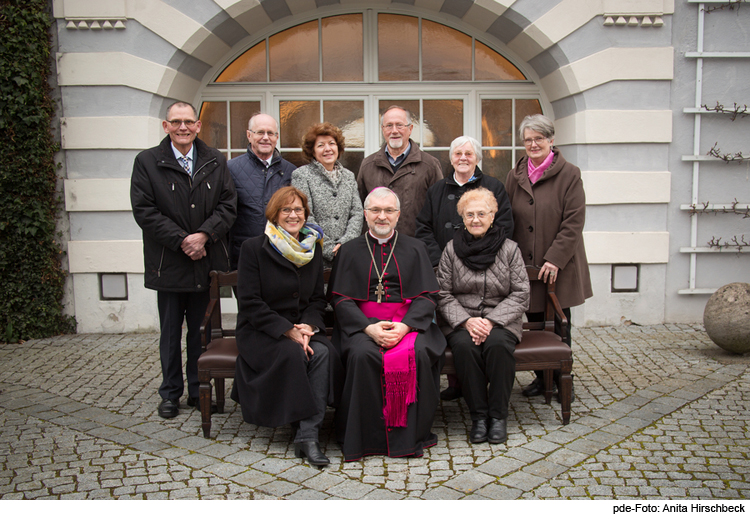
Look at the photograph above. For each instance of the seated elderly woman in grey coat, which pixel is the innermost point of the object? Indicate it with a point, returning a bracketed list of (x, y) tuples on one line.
[(484, 292), (331, 189)]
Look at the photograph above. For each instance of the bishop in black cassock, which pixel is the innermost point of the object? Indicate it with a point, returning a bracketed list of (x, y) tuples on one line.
[(358, 367)]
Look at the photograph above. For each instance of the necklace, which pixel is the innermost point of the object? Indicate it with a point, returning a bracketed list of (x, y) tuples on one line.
[(379, 291)]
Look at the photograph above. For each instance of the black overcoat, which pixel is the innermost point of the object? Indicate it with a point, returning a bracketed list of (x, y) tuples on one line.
[(358, 368), (168, 205), (439, 220), (271, 381)]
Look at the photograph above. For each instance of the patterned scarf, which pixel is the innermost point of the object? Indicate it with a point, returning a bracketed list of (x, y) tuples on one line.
[(332, 175), (298, 252)]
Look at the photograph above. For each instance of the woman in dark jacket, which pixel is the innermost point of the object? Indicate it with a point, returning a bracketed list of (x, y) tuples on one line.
[(549, 210), (484, 292), (330, 188), (282, 371)]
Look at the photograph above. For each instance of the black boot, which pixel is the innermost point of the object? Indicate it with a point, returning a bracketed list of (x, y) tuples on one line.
[(311, 451)]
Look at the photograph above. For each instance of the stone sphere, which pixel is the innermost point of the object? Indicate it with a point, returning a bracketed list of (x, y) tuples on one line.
[(727, 317)]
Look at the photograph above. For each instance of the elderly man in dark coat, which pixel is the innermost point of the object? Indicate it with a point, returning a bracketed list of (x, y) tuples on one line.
[(184, 200), (257, 174), (383, 291)]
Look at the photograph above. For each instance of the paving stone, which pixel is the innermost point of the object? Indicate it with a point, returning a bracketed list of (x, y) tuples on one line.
[(441, 493), (252, 478), (499, 492), (470, 481), (279, 488), (351, 489), (521, 480), (656, 418), (324, 481)]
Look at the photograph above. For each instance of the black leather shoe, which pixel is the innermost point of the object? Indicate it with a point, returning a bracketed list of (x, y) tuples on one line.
[(311, 451), (478, 432), (451, 393), (169, 408), (498, 432), (196, 402), (535, 388)]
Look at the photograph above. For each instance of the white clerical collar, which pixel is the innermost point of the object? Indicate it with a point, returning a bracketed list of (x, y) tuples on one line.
[(380, 240)]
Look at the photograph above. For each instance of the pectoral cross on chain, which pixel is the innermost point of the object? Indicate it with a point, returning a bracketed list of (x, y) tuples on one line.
[(380, 292)]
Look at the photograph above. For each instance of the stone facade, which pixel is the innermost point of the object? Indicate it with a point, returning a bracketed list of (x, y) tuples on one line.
[(617, 77)]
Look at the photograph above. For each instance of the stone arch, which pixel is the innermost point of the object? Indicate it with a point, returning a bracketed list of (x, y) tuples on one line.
[(239, 20)]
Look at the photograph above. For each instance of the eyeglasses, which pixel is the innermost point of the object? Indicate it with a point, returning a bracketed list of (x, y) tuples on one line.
[(480, 215), (377, 210), (261, 133), (299, 211), (537, 140), (397, 126), (179, 122)]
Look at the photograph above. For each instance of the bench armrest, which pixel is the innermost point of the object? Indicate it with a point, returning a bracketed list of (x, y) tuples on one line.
[(206, 323), (559, 316)]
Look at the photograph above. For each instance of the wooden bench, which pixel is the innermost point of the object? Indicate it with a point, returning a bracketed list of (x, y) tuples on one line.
[(540, 349)]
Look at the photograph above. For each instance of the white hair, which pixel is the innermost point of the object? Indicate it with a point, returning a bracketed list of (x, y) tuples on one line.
[(252, 120), (382, 192), (463, 140)]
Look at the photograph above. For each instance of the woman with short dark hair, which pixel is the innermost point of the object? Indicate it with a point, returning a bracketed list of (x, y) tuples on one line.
[(331, 189)]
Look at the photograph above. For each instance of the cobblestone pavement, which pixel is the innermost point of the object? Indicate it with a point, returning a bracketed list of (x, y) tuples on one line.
[(660, 412)]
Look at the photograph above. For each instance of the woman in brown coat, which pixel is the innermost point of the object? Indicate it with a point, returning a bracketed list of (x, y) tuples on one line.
[(549, 210)]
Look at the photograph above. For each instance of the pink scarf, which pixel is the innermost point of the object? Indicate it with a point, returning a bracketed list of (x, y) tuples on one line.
[(399, 364), (536, 172)]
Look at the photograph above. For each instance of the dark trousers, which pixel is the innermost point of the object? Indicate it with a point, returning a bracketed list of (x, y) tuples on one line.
[(174, 308), (491, 363), (539, 316), (317, 375)]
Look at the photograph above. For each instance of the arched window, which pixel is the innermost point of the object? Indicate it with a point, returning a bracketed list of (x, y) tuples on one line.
[(347, 69)]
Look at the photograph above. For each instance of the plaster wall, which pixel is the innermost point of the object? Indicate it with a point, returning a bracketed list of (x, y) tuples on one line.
[(724, 81), (616, 92)]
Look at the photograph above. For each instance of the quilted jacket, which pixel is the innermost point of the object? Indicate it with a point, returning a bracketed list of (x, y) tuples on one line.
[(500, 293), (255, 185)]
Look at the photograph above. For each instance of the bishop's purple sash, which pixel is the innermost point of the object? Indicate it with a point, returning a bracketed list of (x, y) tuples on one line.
[(399, 363)]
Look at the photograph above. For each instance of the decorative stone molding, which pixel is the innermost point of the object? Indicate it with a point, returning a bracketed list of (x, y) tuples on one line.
[(74, 23), (633, 20)]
